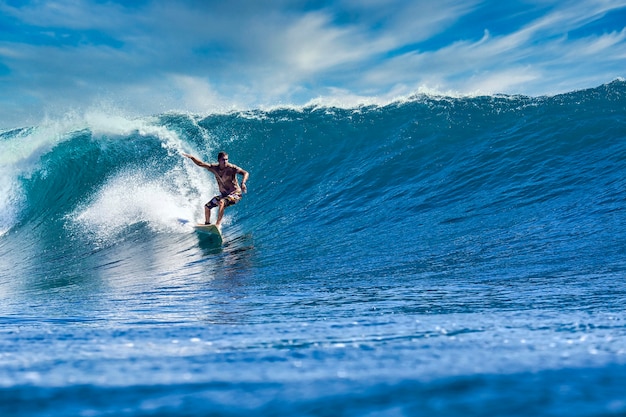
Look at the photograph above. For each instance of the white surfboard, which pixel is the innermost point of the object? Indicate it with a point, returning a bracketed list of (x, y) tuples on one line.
[(209, 231)]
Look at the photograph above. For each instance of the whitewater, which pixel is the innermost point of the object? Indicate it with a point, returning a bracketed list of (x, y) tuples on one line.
[(449, 256)]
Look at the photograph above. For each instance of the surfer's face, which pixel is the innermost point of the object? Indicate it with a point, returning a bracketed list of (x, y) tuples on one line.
[(222, 162)]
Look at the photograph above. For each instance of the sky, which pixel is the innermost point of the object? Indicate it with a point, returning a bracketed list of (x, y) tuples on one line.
[(146, 57)]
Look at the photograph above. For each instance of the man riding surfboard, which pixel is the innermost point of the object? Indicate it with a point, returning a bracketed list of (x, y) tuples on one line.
[(226, 177)]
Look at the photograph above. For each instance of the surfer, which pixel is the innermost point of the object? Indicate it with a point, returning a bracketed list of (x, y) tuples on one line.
[(226, 177)]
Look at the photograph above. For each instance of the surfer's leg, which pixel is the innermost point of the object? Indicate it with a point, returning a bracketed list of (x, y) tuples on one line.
[(215, 201), (207, 214), (220, 213), (224, 202)]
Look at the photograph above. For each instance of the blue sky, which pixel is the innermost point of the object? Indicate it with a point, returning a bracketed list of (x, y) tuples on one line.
[(145, 57)]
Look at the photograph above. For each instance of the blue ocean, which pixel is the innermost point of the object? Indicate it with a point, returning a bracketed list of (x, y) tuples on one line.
[(433, 256)]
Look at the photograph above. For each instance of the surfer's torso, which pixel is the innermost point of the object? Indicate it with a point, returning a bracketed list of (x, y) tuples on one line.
[(226, 177)]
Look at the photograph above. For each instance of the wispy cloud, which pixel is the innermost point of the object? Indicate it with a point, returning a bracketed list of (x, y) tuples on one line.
[(153, 56)]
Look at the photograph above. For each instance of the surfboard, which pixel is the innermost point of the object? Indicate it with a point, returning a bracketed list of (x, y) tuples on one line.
[(209, 231)]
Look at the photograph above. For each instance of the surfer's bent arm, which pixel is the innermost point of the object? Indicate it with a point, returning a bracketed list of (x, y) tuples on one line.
[(244, 179), (197, 161)]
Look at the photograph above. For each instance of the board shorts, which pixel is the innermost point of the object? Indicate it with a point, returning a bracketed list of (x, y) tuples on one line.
[(229, 200)]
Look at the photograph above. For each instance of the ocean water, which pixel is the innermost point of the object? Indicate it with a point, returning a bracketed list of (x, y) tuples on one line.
[(436, 256)]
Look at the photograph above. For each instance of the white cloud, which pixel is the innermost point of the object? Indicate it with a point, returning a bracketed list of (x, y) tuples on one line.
[(596, 45), (73, 14), (523, 61), (196, 94), (494, 82)]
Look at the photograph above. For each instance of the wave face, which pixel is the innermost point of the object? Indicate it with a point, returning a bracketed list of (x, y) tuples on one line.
[(365, 231)]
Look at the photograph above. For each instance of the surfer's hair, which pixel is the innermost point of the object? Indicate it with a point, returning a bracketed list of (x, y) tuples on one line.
[(222, 155)]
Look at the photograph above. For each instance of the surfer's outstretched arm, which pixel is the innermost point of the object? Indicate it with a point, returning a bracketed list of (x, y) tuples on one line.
[(196, 161)]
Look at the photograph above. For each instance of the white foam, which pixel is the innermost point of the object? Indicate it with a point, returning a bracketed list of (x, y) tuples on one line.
[(129, 198), (10, 203)]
